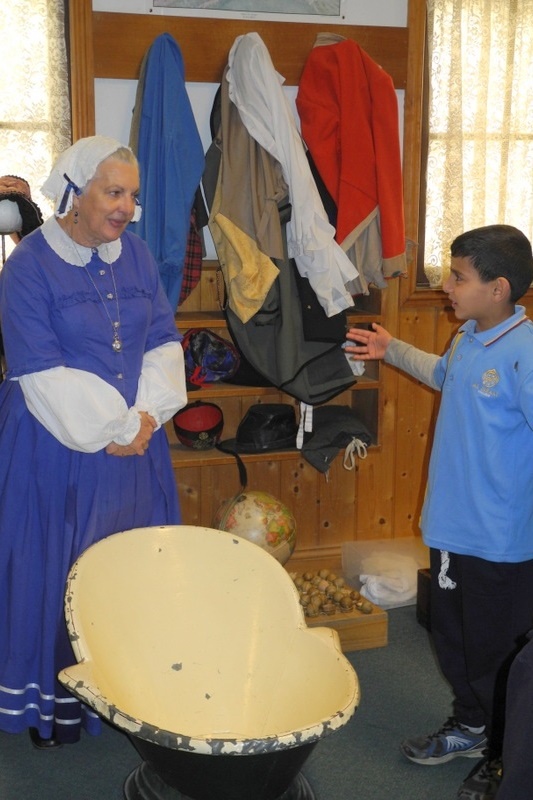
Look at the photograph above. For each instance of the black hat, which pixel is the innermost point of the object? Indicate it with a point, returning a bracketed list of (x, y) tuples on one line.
[(265, 426), (29, 214)]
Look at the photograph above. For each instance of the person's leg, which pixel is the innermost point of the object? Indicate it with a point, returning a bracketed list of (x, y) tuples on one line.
[(517, 779), (498, 613), (463, 734), (448, 607), (498, 603)]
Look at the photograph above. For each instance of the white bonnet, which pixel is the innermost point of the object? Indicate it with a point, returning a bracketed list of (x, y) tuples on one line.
[(74, 169)]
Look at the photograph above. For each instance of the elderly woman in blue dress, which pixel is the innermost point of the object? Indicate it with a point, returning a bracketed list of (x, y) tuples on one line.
[(94, 369)]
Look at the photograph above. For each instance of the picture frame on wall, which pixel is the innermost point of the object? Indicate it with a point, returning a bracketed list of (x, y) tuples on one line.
[(327, 8)]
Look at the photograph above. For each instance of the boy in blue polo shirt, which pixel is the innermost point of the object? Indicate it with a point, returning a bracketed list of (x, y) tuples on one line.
[(477, 517)]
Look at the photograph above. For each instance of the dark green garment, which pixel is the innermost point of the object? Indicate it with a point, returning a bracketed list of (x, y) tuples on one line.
[(305, 360)]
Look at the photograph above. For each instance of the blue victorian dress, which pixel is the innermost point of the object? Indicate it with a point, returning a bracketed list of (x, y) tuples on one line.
[(55, 501)]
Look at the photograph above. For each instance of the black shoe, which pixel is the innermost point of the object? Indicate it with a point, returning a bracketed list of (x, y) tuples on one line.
[(43, 744), (483, 781)]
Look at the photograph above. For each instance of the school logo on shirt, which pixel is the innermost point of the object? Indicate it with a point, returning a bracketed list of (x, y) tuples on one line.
[(489, 380)]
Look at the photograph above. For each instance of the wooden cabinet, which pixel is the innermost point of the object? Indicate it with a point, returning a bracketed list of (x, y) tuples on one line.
[(381, 498), (207, 477)]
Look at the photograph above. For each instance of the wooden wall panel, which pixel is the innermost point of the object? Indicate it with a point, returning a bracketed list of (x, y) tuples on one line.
[(189, 482), (414, 424), (81, 62), (375, 498), (207, 293), (337, 495), (299, 490), (373, 503)]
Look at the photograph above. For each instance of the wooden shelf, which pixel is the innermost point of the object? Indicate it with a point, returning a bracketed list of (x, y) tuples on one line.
[(200, 319), (217, 321), (210, 391), (187, 457)]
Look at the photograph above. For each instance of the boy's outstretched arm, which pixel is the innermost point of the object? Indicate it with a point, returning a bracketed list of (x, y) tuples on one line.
[(379, 343), (371, 344)]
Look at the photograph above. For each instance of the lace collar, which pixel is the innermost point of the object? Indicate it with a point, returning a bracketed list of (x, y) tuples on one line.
[(73, 253)]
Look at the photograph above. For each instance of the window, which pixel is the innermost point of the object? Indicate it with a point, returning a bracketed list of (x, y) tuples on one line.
[(34, 97), (480, 122)]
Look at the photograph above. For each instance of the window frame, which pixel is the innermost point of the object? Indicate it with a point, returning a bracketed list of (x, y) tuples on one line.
[(419, 292)]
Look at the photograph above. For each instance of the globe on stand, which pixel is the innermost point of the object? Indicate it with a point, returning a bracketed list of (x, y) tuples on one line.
[(260, 518)]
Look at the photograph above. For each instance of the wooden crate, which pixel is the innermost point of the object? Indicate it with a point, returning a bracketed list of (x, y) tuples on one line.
[(357, 631)]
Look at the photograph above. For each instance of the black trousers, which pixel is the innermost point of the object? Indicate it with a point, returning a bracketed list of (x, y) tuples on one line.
[(517, 783), (481, 612)]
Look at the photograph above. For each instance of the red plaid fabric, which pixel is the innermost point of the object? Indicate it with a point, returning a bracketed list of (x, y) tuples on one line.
[(192, 266)]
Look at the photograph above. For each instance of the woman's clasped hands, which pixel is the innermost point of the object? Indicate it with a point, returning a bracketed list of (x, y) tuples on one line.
[(140, 444)]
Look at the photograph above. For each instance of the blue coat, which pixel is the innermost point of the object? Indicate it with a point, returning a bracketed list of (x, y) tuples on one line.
[(171, 160)]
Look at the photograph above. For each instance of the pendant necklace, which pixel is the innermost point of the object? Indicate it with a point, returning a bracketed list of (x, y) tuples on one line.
[(116, 344)]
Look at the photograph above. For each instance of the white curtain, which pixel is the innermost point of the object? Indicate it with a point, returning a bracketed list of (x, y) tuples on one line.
[(34, 96), (480, 160)]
